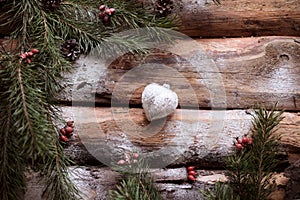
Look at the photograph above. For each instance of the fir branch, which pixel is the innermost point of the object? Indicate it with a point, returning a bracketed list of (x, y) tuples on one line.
[(4, 157), (29, 90), (250, 170), (221, 191), (42, 149), (136, 183), (24, 104), (57, 180), (46, 28), (11, 177)]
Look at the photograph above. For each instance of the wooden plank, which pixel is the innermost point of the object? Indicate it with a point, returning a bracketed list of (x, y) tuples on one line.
[(95, 182), (233, 18), (233, 73), (241, 18), (201, 137)]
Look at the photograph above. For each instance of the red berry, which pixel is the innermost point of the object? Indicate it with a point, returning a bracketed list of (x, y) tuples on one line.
[(121, 162), (28, 60), (70, 123), (102, 8), (250, 140), (192, 173), (190, 168), (135, 155), (245, 140), (106, 19), (69, 130), (29, 54), (112, 10), (35, 51), (107, 11), (63, 138), (191, 178), (239, 146), (23, 55), (63, 131), (101, 15), (239, 141)]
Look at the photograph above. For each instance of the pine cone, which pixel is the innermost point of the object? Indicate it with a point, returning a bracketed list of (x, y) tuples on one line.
[(164, 7), (51, 4), (71, 50)]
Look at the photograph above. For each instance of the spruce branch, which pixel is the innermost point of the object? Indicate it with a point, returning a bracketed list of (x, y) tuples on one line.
[(11, 176), (4, 157), (221, 191), (24, 104), (136, 182), (250, 170), (57, 180), (29, 138)]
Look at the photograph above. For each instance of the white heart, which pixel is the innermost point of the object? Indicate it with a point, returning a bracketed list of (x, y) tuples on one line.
[(158, 101)]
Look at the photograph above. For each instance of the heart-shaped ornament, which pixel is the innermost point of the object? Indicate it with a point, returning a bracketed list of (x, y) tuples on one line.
[(158, 101)]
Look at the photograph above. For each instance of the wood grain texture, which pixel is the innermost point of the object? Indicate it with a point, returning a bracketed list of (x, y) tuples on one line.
[(95, 182), (201, 137), (240, 18), (226, 73)]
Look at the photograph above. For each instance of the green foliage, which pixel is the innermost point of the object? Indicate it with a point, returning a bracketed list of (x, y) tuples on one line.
[(136, 183), (136, 187), (28, 109), (28, 136), (250, 170), (221, 191)]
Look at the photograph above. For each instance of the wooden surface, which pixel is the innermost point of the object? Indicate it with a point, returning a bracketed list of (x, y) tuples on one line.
[(188, 136), (248, 71), (206, 73), (242, 18), (95, 182)]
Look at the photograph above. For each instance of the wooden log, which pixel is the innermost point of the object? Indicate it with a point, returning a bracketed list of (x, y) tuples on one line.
[(232, 18), (238, 18), (95, 182), (207, 73), (200, 137)]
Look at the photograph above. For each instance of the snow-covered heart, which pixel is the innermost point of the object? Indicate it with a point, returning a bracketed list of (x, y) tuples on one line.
[(158, 101)]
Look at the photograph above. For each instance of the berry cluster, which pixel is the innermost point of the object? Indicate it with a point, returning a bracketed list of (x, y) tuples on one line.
[(67, 131), (105, 13), (27, 55), (191, 173), (129, 158), (243, 143)]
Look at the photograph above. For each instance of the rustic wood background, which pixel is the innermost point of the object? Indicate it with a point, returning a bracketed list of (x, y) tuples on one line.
[(255, 47), (254, 70)]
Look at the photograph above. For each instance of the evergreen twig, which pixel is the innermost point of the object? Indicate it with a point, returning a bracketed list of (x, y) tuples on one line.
[(28, 109), (221, 191), (136, 183), (250, 170)]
